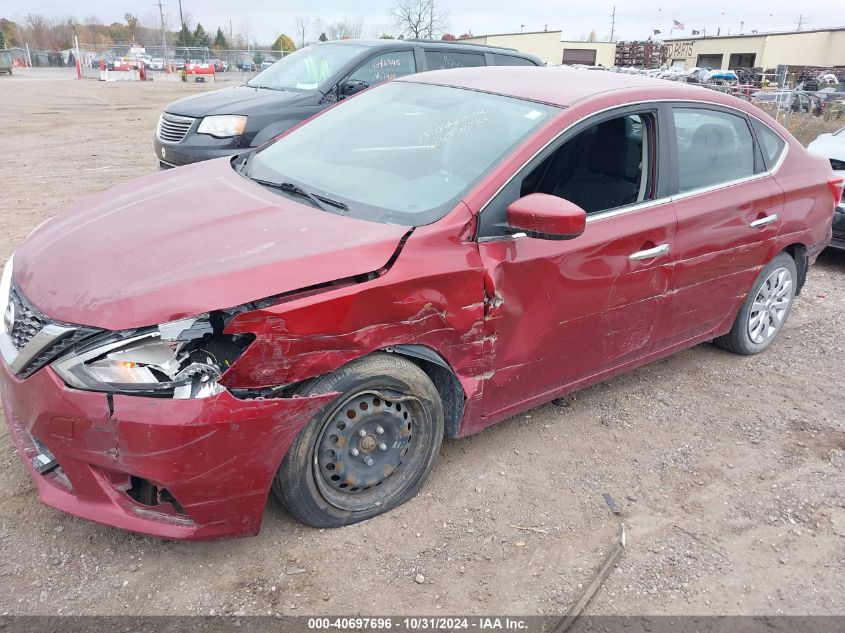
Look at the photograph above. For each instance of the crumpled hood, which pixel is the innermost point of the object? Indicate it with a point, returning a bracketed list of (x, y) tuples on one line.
[(186, 241), (236, 100)]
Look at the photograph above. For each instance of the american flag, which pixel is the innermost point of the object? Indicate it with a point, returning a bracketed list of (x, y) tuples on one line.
[(678, 25)]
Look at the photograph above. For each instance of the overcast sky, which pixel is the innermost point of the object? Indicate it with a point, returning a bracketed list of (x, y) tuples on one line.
[(263, 20)]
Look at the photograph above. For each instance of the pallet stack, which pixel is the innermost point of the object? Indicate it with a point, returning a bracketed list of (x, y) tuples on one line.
[(641, 54)]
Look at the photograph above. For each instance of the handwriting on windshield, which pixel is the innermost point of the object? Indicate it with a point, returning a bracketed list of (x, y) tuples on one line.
[(461, 124)]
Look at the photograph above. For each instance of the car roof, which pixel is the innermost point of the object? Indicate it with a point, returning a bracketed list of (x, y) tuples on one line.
[(469, 47), (558, 85)]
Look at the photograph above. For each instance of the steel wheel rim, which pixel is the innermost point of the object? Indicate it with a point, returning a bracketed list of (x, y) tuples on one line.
[(770, 307), (362, 448)]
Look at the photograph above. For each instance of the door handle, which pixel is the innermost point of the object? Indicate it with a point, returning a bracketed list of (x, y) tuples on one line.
[(650, 253), (769, 219)]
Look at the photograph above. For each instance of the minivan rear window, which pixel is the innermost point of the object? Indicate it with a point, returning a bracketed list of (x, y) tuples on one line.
[(307, 68), (511, 60), (442, 60)]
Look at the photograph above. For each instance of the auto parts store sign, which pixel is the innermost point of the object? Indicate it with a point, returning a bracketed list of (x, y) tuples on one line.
[(680, 49)]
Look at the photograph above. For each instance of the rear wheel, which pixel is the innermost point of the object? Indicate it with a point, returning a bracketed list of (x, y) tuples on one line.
[(765, 309), (368, 451)]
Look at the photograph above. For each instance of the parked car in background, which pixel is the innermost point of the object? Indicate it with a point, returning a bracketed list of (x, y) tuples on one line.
[(157, 63), (246, 64), (437, 254), (267, 62), (225, 122), (832, 147), (219, 65), (794, 100)]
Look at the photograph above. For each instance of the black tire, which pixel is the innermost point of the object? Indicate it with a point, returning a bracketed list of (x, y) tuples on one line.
[(739, 339), (389, 398)]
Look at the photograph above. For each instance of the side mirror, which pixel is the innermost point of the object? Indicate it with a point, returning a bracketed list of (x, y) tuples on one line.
[(547, 217), (351, 87)]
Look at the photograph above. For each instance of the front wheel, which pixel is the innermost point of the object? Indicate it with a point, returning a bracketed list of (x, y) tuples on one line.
[(765, 309), (369, 450)]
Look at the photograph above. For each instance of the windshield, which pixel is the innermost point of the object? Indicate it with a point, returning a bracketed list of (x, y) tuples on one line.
[(401, 153), (307, 68)]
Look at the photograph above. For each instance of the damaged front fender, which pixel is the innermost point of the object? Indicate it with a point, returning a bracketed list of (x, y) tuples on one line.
[(432, 296)]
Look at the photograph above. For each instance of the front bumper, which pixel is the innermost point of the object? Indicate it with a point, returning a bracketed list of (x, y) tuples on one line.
[(215, 457), (195, 148)]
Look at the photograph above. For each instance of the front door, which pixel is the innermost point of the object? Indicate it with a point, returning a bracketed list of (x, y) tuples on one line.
[(563, 313)]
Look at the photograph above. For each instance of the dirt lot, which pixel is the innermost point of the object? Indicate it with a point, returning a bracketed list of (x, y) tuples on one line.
[(730, 470)]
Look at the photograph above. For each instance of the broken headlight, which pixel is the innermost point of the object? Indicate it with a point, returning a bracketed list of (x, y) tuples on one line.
[(183, 359)]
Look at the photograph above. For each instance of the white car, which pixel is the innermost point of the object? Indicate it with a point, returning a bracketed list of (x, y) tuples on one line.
[(832, 147), (156, 63)]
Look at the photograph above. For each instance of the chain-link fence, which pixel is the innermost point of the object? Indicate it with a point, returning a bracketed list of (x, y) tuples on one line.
[(159, 57), (154, 57)]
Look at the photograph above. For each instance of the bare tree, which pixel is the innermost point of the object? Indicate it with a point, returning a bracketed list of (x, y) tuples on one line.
[(132, 24), (301, 30), (419, 19), (347, 29)]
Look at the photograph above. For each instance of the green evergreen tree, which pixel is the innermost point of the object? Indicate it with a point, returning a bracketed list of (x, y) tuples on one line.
[(220, 39), (323, 37), (186, 38), (201, 37)]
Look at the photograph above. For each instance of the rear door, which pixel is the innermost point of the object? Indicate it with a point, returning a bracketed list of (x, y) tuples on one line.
[(729, 209)]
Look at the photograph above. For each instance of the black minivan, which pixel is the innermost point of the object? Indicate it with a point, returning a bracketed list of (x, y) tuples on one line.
[(224, 122)]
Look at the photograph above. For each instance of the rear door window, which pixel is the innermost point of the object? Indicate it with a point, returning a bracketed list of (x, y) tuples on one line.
[(713, 147), (442, 60), (385, 67)]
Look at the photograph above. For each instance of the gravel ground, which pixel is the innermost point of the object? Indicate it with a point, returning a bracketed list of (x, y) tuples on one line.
[(730, 471)]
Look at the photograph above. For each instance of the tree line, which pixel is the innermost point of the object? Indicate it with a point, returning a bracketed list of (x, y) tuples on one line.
[(410, 18), (54, 35)]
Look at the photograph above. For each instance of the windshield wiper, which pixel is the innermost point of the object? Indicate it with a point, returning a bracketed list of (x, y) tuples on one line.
[(319, 201)]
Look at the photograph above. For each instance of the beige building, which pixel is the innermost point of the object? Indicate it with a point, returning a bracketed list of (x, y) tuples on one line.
[(823, 47), (548, 46)]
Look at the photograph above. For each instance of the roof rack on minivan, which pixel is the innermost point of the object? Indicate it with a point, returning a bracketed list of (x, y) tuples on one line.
[(425, 41)]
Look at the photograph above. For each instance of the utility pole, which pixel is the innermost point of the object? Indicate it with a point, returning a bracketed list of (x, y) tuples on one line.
[(800, 21), (613, 23), (182, 26), (163, 32)]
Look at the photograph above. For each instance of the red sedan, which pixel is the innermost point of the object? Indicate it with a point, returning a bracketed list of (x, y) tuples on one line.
[(424, 259)]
